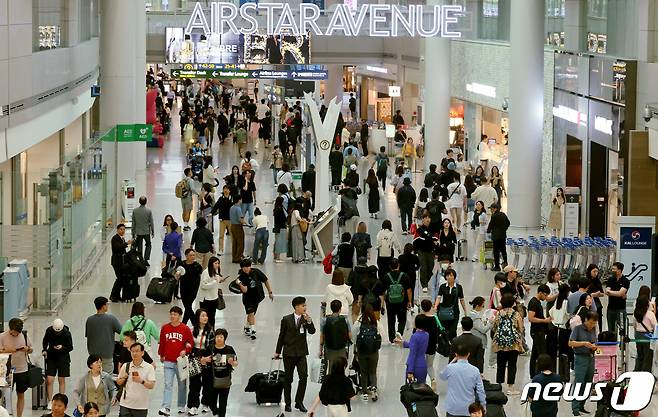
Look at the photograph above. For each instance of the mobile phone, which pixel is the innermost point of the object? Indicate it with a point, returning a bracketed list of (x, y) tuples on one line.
[(135, 373)]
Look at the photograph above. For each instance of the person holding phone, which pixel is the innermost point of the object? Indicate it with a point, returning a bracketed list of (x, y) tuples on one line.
[(16, 343), (138, 381)]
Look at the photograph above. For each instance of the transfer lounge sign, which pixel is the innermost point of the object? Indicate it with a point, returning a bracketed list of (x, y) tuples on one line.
[(635, 252)]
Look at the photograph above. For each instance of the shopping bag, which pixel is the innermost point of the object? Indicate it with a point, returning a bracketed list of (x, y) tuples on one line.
[(183, 364)]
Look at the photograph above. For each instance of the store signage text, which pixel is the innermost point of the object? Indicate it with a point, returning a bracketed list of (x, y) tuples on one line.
[(570, 115), (481, 89), (256, 74), (394, 91), (383, 20)]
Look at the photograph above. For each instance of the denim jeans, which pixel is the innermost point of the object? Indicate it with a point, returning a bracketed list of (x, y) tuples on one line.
[(584, 372), (261, 239), (171, 372), (248, 212)]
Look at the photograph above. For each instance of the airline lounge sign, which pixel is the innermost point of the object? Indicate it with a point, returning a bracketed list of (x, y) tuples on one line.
[(378, 20)]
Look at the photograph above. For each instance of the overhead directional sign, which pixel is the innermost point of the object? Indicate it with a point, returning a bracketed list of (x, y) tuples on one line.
[(258, 74)]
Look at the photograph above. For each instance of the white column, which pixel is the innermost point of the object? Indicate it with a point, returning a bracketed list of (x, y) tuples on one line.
[(123, 81), (436, 97), (526, 113), (333, 85)]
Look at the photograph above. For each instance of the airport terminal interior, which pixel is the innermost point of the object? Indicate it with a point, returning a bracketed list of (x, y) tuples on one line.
[(502, 153)]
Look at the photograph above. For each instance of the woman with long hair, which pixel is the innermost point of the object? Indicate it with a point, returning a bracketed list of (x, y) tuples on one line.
[(387, 244), (234, 180), (361, 241), (280, 230), (139, 323), (336, 391), (479, 227), (421, 203), (397, 180), (367, 350), (479, 174), (507, 341), (456, 203), (166, 229), (555, 218), (497, 182), (447, 243), (372, 191), (207, 296), (595, 289), (204, 337), (644, 326), (206, 203), (470, 186), (409, 153)]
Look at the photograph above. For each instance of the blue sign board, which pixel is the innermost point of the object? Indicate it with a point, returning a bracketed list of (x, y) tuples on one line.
[(635, 238)]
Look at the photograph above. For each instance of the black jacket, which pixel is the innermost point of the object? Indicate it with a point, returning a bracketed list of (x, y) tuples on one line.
[(474, 345), (52, 338), (202, 240), (364, 132), (498, 226), (222, 207), (308, 181), (291, 340), (406, 197), (336, 160), (119, 246)]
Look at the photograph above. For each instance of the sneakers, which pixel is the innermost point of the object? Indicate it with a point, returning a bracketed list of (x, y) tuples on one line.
[(252, 334), (425, 289), (247, 331), (182, 410), (187, 228), (373, 394), (364, 396), (204, 409), (164, 412), (192, 411)]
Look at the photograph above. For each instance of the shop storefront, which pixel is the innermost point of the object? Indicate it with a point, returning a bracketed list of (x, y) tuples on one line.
[(593, 111)]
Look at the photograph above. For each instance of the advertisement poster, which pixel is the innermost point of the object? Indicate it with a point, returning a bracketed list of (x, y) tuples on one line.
[(635, 254), (229, 48)]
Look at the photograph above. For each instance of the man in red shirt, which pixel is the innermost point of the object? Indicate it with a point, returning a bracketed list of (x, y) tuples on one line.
[(176, 341)]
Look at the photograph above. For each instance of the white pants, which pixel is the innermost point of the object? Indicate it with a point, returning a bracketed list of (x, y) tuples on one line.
[(337, 410)]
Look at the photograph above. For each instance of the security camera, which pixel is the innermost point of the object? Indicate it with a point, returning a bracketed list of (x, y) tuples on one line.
[(422, 58), (505, 104), (648, 113)]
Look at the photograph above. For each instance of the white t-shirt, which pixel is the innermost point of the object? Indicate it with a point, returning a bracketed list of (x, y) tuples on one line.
[(136, 396), (457, 192), (262, 110), (260, 222)]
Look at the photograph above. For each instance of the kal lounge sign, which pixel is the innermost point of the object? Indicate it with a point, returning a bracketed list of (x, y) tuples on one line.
[(377, 20)]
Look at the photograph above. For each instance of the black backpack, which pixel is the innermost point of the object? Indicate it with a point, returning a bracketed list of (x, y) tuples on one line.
[(336, 333), (368, 340), (370, 297)]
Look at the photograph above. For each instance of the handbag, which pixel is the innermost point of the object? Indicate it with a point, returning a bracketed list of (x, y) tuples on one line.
[(34, 373), (447, 313), (234, 287), (303, 225), (221, 303), (194, 367), (183, 364)]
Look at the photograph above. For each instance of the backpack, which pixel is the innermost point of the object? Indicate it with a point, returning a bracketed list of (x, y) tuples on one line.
[(506, 335), (370, 297), (246, 166), (395, 293), (139, 331), (435, 213), (182, 188), (335, 333), (368, 340), (382, 164)]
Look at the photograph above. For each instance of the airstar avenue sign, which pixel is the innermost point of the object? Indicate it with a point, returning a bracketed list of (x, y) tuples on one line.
[(379, 20)]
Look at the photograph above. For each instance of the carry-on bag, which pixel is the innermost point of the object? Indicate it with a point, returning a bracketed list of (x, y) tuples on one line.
[(563, 367), (39, 393), (495, 410), (130, 290), (161, 290), (268, 386), (419, 400), (462, 250)]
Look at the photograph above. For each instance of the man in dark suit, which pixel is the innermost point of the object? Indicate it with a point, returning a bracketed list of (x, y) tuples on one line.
[(119, 246), (472, 343), (292, 340)]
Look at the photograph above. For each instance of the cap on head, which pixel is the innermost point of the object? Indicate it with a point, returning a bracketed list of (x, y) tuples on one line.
[(510, 268), (58, 325)]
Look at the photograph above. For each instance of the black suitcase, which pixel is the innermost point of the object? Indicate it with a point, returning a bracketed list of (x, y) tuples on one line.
[(491, 386), (419, 400), (130, 290), (462, 250), (268, 386), (563, 368), (134, 263), (495, 410), (161, 290), (496, 397), (422, 409), (39, 394)]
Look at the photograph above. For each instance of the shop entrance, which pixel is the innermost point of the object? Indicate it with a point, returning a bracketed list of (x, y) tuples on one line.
[(598, 189)]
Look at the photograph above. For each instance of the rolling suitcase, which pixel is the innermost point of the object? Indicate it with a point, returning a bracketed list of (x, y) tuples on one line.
[(419, 400), (563, 367), (39, 394), (495, 410), (462, 250), (268, 386), (130, 290)]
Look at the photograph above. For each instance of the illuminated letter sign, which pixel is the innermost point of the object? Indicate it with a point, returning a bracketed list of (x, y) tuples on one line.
[(384, 20)]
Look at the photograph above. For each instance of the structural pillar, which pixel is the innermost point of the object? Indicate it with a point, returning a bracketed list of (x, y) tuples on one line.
[(333, 86), (575, 22), (436, 116), (526, 110), (123, 72)]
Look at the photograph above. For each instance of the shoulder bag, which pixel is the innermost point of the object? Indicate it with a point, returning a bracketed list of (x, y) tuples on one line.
[(34, 373), (447, 313), (221, 303), (220, 382)]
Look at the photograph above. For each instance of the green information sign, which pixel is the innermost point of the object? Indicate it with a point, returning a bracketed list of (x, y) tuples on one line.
[(134, 133)]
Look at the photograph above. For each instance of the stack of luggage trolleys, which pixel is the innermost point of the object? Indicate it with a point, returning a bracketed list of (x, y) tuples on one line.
[(570, 255)]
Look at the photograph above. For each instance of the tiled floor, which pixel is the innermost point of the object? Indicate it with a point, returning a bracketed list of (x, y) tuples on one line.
[(288, 280)]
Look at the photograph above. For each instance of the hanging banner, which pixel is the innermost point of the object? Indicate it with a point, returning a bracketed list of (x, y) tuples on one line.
[(635, 250)]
